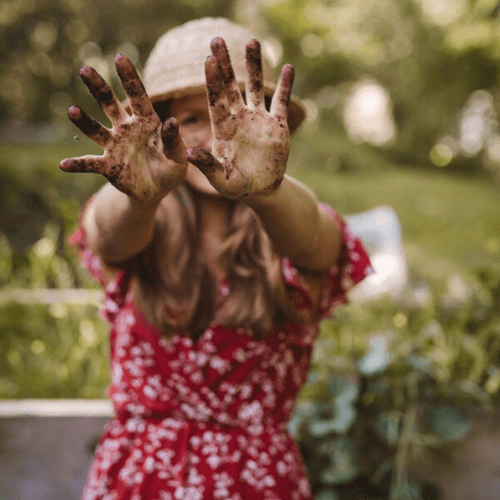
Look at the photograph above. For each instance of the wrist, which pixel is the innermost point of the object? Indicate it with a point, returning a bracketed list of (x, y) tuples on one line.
[(269, 199), (149, 201), (138, 205)]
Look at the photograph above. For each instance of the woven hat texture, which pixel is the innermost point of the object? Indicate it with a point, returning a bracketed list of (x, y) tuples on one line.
[(176, 66)]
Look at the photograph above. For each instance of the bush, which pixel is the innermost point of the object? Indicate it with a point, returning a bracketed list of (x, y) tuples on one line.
[(390, 379)]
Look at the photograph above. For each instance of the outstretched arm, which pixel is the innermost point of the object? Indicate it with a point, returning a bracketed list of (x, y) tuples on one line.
[(249, 156), (142, 159), (298, 228)]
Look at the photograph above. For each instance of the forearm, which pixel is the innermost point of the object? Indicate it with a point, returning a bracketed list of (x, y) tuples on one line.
[(298, 228), (117, 227)]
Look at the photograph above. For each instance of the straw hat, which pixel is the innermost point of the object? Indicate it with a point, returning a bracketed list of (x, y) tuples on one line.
[(176, 66)]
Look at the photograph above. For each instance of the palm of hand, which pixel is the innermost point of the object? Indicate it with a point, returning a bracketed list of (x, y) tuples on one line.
[(250, 145), (141, 157)]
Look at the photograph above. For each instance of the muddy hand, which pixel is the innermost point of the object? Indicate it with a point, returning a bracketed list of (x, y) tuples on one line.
[(250, 145), (142, 157)]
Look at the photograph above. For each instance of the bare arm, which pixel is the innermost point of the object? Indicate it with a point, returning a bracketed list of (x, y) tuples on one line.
[(116, 226), (143, 160), (298, 228)]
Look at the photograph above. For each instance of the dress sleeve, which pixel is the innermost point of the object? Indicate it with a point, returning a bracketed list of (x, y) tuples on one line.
[(113, 281), (317, 296)]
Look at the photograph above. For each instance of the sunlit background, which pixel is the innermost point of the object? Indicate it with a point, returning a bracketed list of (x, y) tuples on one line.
[(402, 137)]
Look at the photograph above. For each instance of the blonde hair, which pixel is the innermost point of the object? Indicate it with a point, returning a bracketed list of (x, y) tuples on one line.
[(175, 289)]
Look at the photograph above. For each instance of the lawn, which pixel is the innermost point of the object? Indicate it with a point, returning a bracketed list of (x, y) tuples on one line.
[(450, 223)]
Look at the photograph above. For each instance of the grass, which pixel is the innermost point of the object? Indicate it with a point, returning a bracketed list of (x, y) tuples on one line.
[(449, 223)]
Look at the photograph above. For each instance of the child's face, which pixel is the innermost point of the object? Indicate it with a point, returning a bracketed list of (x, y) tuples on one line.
[(194, 125)]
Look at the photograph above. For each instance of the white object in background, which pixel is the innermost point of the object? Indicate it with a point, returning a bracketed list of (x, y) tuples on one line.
[(380, 231), (55, 408)]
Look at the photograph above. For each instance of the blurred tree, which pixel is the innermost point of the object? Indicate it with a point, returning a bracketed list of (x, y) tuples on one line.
[(430, 55), (43, 43)]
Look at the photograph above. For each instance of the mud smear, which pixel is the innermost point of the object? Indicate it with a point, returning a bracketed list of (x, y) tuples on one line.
[(133, 86), (89, 126), (254, 68), (220, 50), (286, 89), (203, 160), (170, 135)]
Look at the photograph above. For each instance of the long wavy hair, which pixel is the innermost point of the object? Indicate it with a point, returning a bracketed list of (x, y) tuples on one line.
[(176, 290)]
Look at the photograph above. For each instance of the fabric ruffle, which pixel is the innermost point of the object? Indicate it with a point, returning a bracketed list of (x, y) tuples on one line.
[(353, 266)]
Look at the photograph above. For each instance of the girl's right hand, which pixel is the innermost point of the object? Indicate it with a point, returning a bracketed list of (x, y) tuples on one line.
[(142, 158)]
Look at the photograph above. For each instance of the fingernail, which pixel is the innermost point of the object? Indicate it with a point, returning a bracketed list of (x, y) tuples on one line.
[(65, 164), (171, 124), (254, 43), (84, 70), (73, 112), (217, 42)]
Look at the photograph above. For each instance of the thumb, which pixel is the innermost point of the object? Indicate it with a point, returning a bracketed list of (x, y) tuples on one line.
[(173, 145), (205, 162), (217, 174)]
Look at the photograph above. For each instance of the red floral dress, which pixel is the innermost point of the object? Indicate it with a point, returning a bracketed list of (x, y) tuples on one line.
[(208, 419)]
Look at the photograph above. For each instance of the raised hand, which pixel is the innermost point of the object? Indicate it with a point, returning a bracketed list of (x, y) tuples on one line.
[(142, 157), (250, 145)]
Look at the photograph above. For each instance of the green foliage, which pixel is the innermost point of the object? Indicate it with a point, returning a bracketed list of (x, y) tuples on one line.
[(33, 191), (53, 351), (48, 351), (391, 378), (429, 60), (449, 224), (436, 349), (45, 42)]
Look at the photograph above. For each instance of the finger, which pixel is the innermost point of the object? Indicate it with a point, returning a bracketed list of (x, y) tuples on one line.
[(103, 95), (254, 86), (133, 87), (219, 50), (217, 98), (89, 126), (174, 146), (89, 163), (205, 162), (217, 173), (281, 98)]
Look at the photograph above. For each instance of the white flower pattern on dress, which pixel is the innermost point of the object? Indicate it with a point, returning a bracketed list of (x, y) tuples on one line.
[(207, 420)]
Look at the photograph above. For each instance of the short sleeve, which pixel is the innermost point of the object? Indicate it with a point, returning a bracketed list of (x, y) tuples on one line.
[(317, 296), (115, 288)]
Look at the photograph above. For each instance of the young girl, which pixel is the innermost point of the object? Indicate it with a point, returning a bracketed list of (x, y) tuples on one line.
[(218, 268)]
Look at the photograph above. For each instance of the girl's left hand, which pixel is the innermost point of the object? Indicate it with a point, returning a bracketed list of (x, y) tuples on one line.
[(250, 145)]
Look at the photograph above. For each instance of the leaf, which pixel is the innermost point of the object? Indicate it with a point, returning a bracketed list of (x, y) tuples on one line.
[(321, 428), (294, 424), (326, 495), (422, 365), (342, 468), (407, 490), (387, 425), (345, 390), (448, 423), (345, 415), (378, 357)]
